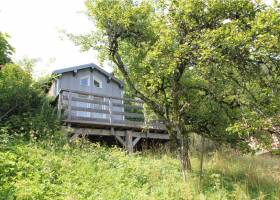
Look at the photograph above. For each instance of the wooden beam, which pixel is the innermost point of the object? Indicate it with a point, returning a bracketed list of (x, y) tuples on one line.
[(120, 140), (74, 137), (158, 136), (110, 110), (116, 123), (69, 105), (71, 96), (76, 108), (94, 101), (106, 132), (75, 72), (128, 141), (117, 136), (59, 105), (137, 107), (112, 130), (128, 114), (136, 140), (101, 132), (104, 96), (90, 120)]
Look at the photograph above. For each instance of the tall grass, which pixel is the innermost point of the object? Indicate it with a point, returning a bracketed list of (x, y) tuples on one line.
[(47, 170), (246, 177)]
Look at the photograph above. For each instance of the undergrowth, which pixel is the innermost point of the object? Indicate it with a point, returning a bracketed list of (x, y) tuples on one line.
[(48, 170)]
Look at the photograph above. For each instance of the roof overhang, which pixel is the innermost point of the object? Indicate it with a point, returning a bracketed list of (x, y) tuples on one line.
[(91, 66)]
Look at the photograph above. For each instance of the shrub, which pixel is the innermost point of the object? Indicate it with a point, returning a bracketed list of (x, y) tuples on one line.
[(24, 108), (54, 169)]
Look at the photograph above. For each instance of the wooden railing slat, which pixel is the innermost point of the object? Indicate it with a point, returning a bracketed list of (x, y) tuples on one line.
[(113, 107), (93, 101), (103, 96), (76, 108), (136, 115), (138, 107)]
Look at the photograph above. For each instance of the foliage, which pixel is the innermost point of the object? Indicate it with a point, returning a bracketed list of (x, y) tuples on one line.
[(23, 106), (208, 66), (56, 170), (15, 87), (45, 82), (6, 50)]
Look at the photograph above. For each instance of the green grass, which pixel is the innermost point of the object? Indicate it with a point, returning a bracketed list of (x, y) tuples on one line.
[(44, 170)]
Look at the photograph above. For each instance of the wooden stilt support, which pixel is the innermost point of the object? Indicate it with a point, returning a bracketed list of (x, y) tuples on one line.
[(117, 136), (129, 141), (74, 137), (136, 140), (120, 140)]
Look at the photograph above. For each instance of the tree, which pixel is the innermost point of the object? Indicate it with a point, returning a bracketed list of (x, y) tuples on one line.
[(167, 49), (6, 50), (15, 84), (24, 108)]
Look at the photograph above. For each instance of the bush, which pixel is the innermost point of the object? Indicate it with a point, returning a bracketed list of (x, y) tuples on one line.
[(32, 125), (52, 169), (24, 107)]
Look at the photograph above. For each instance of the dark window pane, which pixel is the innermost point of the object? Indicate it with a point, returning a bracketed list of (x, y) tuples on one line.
[(96, 83)]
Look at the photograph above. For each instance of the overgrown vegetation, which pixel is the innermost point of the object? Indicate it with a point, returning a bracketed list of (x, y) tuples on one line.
[(24, 108), (204, 66), (6, 50), (56, 170)]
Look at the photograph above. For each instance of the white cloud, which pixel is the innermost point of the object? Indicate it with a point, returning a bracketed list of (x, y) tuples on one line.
[(34, 29)]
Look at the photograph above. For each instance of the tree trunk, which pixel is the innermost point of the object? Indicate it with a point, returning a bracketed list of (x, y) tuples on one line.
[(183, 159), (183, 143), (201, 161)]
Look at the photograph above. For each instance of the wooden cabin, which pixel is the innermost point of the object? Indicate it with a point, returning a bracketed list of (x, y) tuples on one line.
[(91, 102)]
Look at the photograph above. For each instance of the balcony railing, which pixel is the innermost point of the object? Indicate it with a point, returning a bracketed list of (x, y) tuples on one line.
[(89, 108)]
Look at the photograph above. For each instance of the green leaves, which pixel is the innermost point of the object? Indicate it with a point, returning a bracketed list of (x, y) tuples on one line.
[(24, 109), (220, 58), (6, 50)]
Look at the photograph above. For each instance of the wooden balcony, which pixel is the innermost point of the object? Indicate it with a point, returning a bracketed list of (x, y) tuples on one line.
[(85, 109)]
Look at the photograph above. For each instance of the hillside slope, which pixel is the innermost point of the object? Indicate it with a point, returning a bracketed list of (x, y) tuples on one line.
[(88, 171)]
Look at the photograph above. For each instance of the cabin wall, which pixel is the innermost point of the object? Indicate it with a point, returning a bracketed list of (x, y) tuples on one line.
[(52, 89), (109, 88), (68, 81)]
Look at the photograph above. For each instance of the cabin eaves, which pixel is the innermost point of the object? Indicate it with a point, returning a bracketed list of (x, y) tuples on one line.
[(92, 66)]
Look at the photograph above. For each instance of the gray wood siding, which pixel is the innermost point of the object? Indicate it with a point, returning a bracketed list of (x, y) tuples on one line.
[(68, 81), (109, 88)]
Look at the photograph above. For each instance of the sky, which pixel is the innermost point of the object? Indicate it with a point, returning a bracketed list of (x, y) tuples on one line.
[(34, 27)]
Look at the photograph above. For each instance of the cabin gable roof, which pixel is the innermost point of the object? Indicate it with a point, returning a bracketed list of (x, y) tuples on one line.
[(92, 66)]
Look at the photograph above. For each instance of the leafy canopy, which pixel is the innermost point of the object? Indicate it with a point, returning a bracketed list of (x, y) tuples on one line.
[(24, 109), (207, 65), (6, 50)]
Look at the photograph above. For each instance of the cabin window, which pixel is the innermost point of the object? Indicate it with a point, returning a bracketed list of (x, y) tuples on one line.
[(97, 82), (84, 81)]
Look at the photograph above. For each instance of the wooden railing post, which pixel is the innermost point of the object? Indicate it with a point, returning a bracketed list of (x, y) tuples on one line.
[(59, 105), (110, 109), (69, 105), (129, 141)]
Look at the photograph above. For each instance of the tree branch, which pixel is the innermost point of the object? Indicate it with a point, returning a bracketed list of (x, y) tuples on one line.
[(118, 61), (9, 111)]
